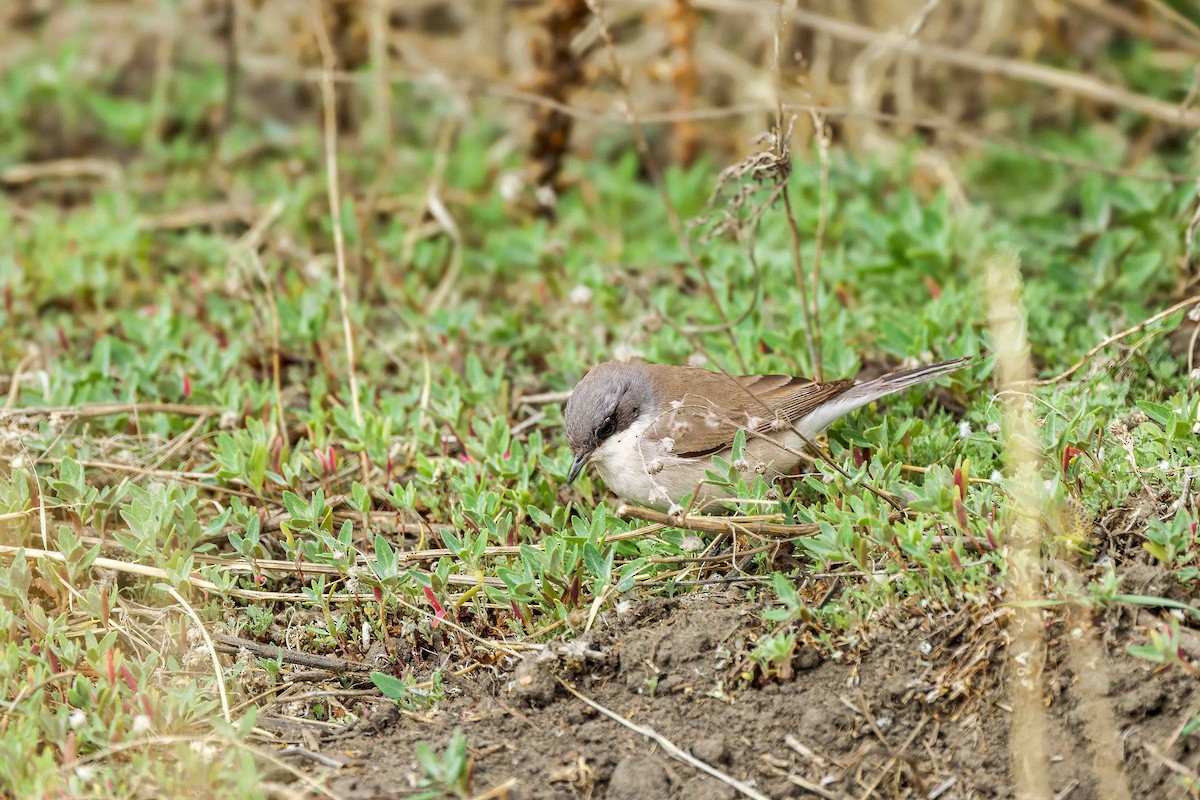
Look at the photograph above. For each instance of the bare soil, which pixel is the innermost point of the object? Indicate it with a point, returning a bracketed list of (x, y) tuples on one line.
[(918, 710)]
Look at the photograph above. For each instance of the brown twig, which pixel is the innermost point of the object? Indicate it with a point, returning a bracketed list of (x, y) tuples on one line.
[(232, 644), (710, 524)]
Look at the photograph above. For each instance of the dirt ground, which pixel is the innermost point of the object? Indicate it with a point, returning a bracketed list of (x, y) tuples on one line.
[(918, 711)]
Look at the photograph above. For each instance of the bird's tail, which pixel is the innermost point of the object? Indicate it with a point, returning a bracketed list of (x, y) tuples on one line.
[(860, 394)]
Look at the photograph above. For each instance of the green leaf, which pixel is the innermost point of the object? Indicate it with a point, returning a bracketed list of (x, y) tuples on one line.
[(392, 687), (296, 507)]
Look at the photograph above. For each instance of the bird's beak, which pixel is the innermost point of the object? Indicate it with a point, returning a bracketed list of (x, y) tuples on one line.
[(577, 466)]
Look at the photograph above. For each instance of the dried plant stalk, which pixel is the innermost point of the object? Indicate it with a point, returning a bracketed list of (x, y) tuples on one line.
[(1027, 648), (681, 32), (559, 70)]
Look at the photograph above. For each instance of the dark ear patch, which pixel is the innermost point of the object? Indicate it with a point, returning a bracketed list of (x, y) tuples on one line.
[(627, 412)]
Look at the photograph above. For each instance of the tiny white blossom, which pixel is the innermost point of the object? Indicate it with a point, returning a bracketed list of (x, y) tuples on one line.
[(546, 196), (654, 467), (995, 477), (206, 750), (510, 185), (741, 465), (711, 420), (580, 295), (1164, 466), (624, 607), (86, 772), (964, 429), (691, 543), (993, 428), (77, 719), (697, 360), (675, 510), (753, 422), (141, 724)]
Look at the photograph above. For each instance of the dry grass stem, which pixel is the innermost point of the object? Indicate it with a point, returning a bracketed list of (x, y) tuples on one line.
[(218, 673), (1075, 83), (1194, 300), (1027, 654), (330, 126)]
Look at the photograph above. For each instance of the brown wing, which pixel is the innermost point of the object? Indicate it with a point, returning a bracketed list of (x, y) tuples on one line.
[(705, 409)]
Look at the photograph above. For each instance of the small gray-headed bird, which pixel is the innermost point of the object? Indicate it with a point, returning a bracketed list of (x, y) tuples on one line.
[(653, 429)]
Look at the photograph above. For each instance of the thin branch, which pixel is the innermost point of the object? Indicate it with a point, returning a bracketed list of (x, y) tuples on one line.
[(270, 651), (713, 524)]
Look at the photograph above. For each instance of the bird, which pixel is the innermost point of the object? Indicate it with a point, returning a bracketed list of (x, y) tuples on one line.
[(651, 430)]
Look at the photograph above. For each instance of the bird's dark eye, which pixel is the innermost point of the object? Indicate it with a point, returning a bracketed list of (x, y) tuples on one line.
[(608, 427)]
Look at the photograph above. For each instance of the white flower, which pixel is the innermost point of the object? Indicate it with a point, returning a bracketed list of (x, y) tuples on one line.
[(77, 719), (675, 510), (580, 295), (208, 751), (993, 428), (654, 467), (964, 429), (141, 724), (546, 197), (996, 477), (510, 185), (741, 465), (691, 543), (697, 360)]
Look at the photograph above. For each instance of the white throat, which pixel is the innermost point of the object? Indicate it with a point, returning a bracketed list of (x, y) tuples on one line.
[(642, 470)]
